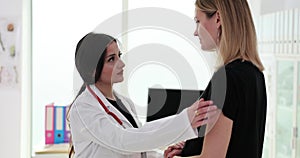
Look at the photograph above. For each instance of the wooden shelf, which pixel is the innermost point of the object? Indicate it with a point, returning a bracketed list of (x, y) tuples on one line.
[(54, 149)]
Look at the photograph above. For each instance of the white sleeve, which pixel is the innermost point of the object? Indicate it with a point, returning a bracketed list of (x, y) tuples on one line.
[(90, 123)]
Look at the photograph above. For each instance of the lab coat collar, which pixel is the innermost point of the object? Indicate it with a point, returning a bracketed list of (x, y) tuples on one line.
[(110, 107), (130, 107)]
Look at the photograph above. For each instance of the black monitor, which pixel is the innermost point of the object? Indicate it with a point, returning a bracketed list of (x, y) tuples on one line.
[(166, 102)]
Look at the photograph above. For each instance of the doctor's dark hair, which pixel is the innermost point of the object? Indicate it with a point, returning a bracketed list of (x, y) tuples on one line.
[(89, 61), (89, 56)]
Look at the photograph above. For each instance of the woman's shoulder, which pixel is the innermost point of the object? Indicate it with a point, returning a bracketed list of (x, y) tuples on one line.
[(243, 73), (84, 100), (241, 68), (83, 97)]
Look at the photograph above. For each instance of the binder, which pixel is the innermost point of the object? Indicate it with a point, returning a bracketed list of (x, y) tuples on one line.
[(59, 124), (67, 128), (49, 124)]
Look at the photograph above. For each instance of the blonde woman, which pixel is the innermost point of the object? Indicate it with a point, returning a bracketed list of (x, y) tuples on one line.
[(237, 87)]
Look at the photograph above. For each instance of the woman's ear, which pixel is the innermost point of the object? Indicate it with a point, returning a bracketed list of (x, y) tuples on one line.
[(218, 19)]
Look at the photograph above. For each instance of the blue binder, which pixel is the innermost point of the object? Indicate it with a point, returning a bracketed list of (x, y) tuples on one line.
[(59, 115)]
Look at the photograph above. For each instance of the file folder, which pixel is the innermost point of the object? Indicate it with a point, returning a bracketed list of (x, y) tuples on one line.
[(59, 124), (49, 124), (67, 128)]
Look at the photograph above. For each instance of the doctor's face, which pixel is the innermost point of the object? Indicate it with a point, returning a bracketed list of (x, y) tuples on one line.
[(206, 30), (112, 71)]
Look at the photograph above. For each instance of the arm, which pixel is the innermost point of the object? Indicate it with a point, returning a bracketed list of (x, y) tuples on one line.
[(217, 138), (88, 122)]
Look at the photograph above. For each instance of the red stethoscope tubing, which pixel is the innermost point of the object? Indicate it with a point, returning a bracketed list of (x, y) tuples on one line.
[(104, 107)]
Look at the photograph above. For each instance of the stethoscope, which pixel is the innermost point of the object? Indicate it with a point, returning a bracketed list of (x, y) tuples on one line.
[(104, 107), (143, 154)]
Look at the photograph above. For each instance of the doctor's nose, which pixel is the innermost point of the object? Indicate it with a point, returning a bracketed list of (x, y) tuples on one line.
[(121, 64)]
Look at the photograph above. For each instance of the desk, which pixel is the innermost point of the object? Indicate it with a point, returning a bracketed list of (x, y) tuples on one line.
[(50, 156), (61, 151), (52, 151)]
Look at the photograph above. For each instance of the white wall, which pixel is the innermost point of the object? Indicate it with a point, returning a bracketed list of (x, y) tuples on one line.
[(269, 6), (10, 98), (54, 38), (10, 8), (156, 48)]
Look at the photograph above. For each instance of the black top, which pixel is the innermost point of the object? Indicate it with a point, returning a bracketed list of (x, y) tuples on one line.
[(121, 107), (241, 95)]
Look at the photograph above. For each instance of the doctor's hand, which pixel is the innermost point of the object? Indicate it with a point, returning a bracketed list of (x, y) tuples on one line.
[(201, 112), (174, 150)]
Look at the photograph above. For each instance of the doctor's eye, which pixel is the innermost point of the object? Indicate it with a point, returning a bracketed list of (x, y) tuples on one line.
[(111, 59)]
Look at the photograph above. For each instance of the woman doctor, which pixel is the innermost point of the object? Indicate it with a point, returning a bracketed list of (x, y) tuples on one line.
[(104, 124)]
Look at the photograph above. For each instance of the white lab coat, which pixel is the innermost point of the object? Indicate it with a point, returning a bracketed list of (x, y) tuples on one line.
[(96, 134)]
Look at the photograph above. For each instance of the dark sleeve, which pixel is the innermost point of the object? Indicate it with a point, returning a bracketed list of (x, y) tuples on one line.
[(221, 90), (192, 147), (231, 103), (206, 93), (225, 92)]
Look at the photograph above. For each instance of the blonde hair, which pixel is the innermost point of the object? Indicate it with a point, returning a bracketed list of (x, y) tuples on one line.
[(237, 31)]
